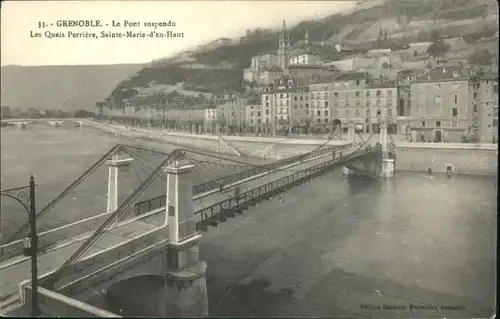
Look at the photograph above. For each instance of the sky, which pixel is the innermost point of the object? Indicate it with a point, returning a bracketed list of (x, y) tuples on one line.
[(199, 21)]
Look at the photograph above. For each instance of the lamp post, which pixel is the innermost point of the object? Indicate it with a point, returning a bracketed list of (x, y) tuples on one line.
[(25, 196)]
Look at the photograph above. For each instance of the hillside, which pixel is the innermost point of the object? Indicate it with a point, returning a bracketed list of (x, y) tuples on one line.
[(402, 20), (67, 88)]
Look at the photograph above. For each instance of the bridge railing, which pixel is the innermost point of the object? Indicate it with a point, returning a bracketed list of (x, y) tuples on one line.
[(211, 214), (159, 201)]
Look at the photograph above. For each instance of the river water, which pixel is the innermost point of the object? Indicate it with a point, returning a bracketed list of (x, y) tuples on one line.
[(322, 249)]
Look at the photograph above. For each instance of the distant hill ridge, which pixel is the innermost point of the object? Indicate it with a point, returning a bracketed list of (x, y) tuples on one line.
[(66, 88)]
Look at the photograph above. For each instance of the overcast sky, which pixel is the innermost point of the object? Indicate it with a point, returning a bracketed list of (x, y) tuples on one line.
[(200, 21)]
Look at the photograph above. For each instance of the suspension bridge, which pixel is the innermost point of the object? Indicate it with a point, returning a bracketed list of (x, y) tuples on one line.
[(145, 234)]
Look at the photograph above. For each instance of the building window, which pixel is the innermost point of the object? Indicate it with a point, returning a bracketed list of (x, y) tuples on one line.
[(495, 88), (346, 102), (455, 98), (267, 104), (367, 103), (438, 123), (267, 97), (357, 112), (336, 94), (367, 93), (423, 123), (281, 96), (326, 103), (438, 86), (307, 111), (421, 100), (267, 112), (302, 98), (318, 113), (307, 105), (454, 124), (495, 122), (389, 112), (389, 102), (454, 112), (379, 102), (326, 95), (367, 112), (437, 100), (455, 86), (258, 113), (379, 112), (358, 103), (326, 113), (357, 93), (379, 93), (357, 82), (438, 111), (251, 114), (319, 120), (258, 121), (422, 112)]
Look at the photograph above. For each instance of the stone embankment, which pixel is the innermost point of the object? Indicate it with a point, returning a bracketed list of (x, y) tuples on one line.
[(474, 159), (248, 146)]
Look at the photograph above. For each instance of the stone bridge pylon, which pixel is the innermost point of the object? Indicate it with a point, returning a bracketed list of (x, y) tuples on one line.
[(381, 167)]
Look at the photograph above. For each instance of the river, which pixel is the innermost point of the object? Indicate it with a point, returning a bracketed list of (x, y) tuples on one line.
[(321, 250)]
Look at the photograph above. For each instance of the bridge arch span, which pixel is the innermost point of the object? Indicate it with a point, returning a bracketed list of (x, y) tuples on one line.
[(151, 261)]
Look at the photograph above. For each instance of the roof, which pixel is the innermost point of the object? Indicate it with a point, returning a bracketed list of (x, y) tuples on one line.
[(297, 52), (443, 73), (305, 66), (273, 68), (322, 79), (265, 53), (351, 76), (381, 85)]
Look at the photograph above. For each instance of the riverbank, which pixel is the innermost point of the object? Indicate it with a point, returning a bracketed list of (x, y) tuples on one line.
[(460, 158)]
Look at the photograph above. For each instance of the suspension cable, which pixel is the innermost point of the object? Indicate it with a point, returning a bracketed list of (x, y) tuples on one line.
[(68, 189), (117, 213)]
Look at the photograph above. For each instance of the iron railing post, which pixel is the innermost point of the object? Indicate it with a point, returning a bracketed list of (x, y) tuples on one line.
[(35, 310)]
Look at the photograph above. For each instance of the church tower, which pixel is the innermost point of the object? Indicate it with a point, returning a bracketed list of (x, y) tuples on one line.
[(306, 38), (284, 46)]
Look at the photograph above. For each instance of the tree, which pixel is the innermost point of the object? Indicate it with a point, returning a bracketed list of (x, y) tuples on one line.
[(481, 57), (83, 114), (438, 47)]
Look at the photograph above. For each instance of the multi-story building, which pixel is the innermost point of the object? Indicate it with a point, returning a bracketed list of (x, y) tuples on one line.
[(440, 105), (320, 96), (233, 111), (269, 75), (484, 115), (304, 57), (380, 106), (348, 100), (256, 121), (305, 73)]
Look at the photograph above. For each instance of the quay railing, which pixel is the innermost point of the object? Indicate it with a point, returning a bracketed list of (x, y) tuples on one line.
[(227, 208), (159, 201)]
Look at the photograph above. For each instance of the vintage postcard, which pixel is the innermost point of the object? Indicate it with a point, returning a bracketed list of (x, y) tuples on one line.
[(249, 158)]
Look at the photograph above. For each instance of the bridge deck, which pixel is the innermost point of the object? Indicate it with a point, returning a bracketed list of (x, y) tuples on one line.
[(16, 270)]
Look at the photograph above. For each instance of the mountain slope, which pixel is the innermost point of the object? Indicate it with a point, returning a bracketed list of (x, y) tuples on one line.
[(67, 88)]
